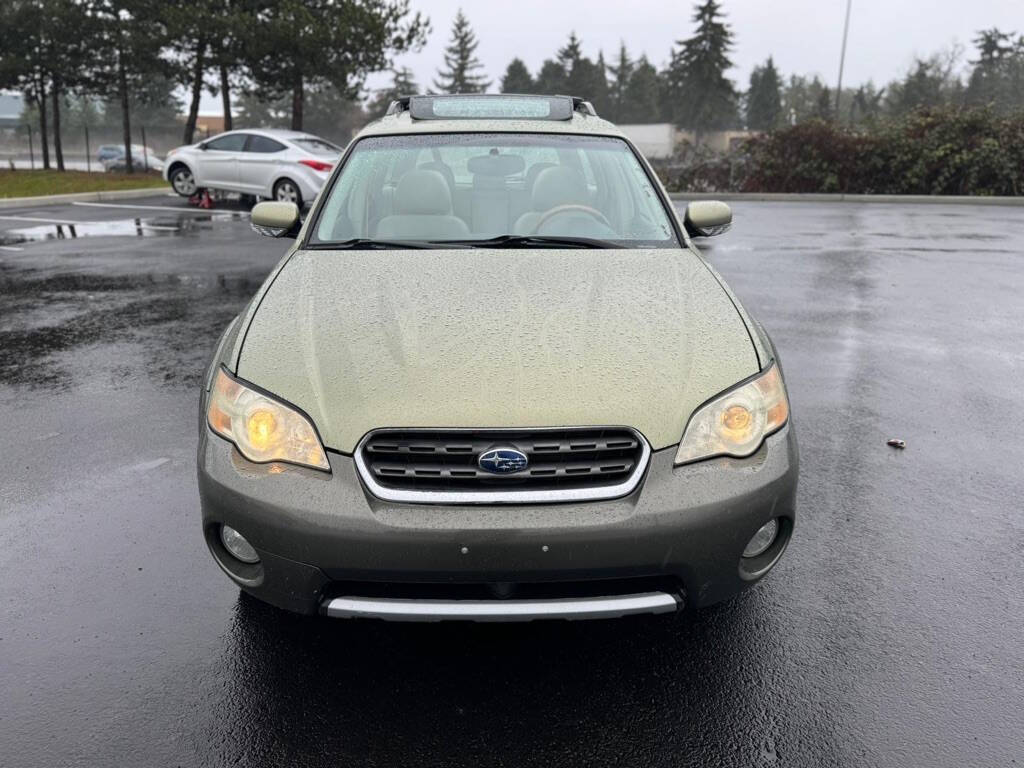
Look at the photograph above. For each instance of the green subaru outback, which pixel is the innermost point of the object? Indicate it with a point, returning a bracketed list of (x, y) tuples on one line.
[(494, 379)]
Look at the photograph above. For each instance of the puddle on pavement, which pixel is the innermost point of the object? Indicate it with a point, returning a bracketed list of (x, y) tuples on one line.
[(156, 226), (54, 326)]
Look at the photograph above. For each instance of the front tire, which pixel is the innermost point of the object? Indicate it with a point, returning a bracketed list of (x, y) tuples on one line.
[(183, 181), (287, 191)]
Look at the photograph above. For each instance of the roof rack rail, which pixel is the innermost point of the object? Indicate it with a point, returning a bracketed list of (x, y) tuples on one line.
[(579, 104), (401, 104)]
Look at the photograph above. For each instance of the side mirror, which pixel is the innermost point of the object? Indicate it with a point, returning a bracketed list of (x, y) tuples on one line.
[(274, 219), (707, 218), (203, 146)]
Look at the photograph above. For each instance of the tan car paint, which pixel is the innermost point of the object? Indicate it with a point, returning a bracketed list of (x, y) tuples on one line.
[(496, 338)]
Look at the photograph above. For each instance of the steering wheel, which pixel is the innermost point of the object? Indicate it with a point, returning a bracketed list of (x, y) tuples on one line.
[(558, 210)]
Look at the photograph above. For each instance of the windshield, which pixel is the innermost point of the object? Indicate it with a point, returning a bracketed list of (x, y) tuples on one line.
[(475, 187)]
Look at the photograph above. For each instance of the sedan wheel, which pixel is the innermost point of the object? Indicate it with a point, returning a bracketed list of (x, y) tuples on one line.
[(286, 191), (183, 182)]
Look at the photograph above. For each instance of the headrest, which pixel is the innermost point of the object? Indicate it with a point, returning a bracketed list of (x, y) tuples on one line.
[(423, 192), (534, 172), (496, 165), (559, 185)]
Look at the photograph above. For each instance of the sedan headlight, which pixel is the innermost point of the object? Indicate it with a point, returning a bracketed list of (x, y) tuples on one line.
[(261, 427), (736, 422)]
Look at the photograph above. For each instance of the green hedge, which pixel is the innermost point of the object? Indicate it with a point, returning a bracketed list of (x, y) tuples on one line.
[(931, 152)]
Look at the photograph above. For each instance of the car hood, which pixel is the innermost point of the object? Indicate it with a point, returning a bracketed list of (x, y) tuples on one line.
[(496, 338)]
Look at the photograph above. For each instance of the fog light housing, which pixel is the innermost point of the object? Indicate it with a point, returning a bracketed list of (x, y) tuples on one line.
[(763, 539), (236, 544)]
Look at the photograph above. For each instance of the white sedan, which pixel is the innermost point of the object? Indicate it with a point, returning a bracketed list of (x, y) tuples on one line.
[(289, 166)]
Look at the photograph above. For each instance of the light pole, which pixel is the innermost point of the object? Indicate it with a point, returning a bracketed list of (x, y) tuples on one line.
[(842, 58)]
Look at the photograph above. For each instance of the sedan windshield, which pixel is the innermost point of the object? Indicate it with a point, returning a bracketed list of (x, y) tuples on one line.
[(512, 190)]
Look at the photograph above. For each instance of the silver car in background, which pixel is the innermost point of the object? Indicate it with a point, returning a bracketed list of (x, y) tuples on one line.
[(289, 166), (112, 158)]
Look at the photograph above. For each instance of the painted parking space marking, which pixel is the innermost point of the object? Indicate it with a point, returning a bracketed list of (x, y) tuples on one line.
[(39, 220)]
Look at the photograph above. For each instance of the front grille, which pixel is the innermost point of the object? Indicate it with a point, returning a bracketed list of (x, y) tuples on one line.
[(442, 465)]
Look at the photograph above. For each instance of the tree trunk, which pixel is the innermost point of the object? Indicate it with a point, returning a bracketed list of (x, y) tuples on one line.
[(44, 136), (297, 97), (225, 95), (197, 92), (126, 125), (58, 150)]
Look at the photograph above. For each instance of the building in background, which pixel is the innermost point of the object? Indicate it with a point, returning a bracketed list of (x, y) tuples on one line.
[(208, 125), (658, 141)]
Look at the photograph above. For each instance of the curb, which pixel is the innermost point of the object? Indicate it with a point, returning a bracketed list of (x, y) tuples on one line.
[(817, 197), (82, 197)]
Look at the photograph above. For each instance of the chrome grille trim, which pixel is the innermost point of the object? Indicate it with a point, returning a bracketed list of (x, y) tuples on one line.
[(503, 496)]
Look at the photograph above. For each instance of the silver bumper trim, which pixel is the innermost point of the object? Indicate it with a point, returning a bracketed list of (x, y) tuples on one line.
[(397, 609)]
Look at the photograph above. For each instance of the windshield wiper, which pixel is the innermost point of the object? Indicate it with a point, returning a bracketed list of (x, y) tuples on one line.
[(536, 241), (371, 244)]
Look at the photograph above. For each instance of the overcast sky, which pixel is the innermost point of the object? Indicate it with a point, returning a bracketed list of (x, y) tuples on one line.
[(804, 36)]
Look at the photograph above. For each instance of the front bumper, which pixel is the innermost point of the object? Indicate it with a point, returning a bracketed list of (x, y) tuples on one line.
[(320, 536)]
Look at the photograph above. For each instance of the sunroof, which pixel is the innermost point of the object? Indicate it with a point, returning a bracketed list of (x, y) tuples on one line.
[(490, 107)]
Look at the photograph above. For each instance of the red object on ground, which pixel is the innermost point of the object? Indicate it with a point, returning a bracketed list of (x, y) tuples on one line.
[(201, 199)]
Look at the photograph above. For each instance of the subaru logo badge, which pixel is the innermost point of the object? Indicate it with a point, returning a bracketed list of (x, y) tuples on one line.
[(502, 461)]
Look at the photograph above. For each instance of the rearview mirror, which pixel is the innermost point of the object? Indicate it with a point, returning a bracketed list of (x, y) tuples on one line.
[(274, 219), (707, 218)]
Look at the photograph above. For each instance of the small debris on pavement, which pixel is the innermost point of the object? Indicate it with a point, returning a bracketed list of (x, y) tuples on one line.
[(897, 443)]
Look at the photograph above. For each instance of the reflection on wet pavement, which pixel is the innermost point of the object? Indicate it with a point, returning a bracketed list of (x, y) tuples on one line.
[(163, 315), (136, 227)]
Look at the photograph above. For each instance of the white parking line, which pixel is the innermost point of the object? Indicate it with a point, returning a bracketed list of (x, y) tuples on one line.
[(10, 248), (198, 211), (41, 221)]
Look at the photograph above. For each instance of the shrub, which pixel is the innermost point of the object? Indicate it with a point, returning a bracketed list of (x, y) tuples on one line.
[(947, 151)]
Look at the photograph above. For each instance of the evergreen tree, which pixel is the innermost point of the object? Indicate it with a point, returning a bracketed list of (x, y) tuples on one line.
[(764, 99), (823, 109), (998, 74), (866, 104), (580, 75), (571, 52), (706, 99), (930, 83), (621, 71), (462, 67), (126, 42), (517, 78), (552, 78), (597, 90), (44, 52), (800, 98), (642, 102), (402, 84), (293, 45)]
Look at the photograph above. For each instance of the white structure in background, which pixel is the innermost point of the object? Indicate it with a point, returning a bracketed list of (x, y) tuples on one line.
[(11, 106), (657, 141)]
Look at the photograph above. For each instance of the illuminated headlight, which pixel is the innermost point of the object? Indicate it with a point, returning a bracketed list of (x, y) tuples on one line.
[(736, 422), (262, 428)]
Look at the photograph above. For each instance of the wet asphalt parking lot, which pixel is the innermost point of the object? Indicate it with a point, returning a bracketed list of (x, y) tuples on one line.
[(891, 634)]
